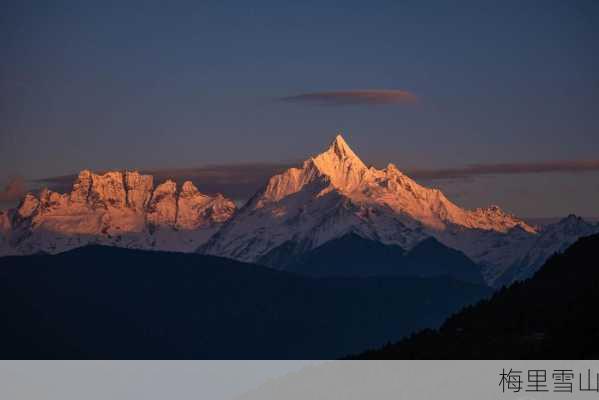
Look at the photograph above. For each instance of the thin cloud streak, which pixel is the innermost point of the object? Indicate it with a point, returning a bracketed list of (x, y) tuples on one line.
[(473, 170), (354, 97)]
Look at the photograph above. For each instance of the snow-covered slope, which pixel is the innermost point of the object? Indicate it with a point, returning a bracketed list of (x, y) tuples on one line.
[(115, 208), (335, 193), (553, 238)]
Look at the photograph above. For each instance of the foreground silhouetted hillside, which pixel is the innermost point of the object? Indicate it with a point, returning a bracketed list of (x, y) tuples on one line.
[(102, 302), (550, 316), (352, 255)]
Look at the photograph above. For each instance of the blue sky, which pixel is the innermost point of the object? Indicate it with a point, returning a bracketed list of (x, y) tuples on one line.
[(157, 85)]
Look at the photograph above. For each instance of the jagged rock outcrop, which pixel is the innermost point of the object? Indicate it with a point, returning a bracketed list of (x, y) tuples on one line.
[(138, 189), (195, 210), (116, 208), (162, 209)]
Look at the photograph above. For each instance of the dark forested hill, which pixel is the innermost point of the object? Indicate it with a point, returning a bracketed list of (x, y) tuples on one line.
[(352, 255), (102, 302), (553, 315)]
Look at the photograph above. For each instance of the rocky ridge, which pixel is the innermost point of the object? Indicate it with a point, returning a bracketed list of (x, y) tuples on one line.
[(120, 208)]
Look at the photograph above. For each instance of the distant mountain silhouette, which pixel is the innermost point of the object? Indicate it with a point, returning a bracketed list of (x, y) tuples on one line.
[(352, 255), (550, 316), (107, 302)]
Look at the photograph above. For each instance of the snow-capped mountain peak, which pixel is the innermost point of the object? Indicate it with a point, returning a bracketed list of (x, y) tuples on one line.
[(338, 166), (334, 193), (341, 165)]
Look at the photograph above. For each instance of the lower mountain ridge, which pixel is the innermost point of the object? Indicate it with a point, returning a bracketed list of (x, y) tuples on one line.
[(549, 316), (352, 255), (114, 303)]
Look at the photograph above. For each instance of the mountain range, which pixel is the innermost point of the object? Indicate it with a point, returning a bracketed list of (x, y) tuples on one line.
[(115, 208), (309, 219)]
